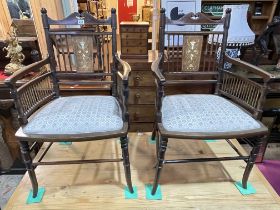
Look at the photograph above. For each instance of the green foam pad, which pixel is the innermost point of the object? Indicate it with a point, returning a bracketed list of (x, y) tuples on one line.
[(151, 141), (38, 198), (250, 189), (65, 143), (210, 140), (156, 196), (129, 195)]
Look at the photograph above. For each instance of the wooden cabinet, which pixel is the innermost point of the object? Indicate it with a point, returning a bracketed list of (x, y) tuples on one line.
[(134, 39), (260, 14), (259, 20), (142, 94)]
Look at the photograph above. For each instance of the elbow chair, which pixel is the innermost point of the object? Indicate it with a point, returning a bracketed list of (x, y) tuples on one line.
[(194, 58), (78, 54)]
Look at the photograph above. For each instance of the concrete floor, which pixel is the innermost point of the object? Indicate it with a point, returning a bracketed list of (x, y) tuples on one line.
[(8, 183)]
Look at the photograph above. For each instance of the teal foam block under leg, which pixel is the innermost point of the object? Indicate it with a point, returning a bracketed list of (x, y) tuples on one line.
[(38, 198), (250, 189), (210, 140), (129, 195), (65, 143), (151, 141), (156, 196)]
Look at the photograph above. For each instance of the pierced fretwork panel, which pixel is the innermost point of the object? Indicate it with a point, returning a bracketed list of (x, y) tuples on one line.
[(191, 52), (35, 93), (83, 52), (236, 87)]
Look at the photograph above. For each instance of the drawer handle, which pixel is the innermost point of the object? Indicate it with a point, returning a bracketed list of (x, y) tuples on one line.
[(136, 116), (136, 98), (137, 80)]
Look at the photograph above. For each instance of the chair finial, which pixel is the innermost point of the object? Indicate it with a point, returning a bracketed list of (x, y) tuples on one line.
[(44, 11), (228, 10), (162, 10), (113, 11)]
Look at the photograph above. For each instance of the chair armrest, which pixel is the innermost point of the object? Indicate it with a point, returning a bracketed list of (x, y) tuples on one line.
[(34, 93), (25, 70), (126, 68), (123, 90), (243, 90), (156, 70), (250, 68)]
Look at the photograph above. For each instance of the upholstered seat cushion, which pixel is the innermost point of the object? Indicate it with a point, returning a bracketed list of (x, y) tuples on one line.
[(76, 115), (204, 113)]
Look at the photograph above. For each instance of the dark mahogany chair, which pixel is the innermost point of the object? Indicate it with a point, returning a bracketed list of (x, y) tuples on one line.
[(79, 54), (194, 58)]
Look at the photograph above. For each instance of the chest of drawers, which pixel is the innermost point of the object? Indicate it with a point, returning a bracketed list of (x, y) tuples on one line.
[(134, 39), (142, 94)]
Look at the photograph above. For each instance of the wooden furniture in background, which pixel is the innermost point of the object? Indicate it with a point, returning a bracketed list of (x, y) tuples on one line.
[(141, 105), (94, 7), (257, 22), (25, 27), (77, 118), (9, 149), (134, 39), (27, 37), (269, 43), (147, 13), (205, 116)]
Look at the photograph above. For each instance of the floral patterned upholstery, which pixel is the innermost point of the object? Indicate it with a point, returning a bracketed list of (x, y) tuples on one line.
[(204, 113), (77, 114)]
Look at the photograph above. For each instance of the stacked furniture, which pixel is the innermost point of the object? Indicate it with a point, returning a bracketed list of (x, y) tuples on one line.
[(141, 102), (134, 39)]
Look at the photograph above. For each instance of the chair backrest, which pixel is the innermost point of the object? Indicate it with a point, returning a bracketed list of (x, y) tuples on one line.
[(191, 53), (80, 49)]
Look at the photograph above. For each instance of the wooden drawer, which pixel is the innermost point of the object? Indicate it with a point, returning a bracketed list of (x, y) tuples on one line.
[(141, 113), (134, 42), (134, 36), (141, 78), (142, 95), (141, 127), (5, 93), (135, 29), (134, 50)]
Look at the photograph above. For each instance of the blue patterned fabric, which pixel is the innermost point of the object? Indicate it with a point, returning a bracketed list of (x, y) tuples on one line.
[(75, 115), (204, 113)]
